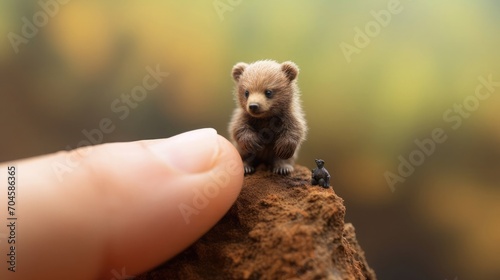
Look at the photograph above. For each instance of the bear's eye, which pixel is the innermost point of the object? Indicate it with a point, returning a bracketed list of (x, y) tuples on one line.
[(247, 93), (269, 93)]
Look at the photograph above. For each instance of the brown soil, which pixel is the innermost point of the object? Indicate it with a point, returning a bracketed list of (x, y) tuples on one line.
[(279, 228)]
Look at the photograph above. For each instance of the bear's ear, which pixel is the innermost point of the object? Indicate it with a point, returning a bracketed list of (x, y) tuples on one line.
[(291, 70), (238, 70)]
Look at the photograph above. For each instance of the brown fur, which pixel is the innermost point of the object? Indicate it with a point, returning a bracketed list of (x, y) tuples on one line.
[(273, 133)]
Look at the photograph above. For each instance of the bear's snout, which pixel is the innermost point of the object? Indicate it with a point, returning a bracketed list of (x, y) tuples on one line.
[(257, 105), (253, 107)]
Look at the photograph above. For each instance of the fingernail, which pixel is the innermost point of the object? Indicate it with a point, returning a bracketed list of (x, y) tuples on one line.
[(190, 152)]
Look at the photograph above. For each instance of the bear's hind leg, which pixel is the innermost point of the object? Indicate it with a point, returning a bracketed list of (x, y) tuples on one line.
[(249, 164), (323, 183)]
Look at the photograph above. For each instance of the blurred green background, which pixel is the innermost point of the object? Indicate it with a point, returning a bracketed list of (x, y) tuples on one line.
[(442, 222)]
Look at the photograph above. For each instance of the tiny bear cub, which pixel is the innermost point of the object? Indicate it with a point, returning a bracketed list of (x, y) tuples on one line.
[(268, 125)]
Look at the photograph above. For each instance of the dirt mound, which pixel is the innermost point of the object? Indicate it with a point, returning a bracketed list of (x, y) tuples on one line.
[(279, 228)]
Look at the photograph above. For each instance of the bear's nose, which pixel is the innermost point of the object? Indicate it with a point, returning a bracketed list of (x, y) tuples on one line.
[(253, 107)]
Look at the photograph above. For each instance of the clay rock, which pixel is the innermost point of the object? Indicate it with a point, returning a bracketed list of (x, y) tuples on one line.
[(280, 227)]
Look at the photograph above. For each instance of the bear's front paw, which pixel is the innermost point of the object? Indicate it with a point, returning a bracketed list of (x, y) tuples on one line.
[(283, 169), (250, 144), (248, 169), (285, 149)]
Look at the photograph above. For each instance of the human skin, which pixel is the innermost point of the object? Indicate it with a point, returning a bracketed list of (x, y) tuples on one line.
[(117, 213)]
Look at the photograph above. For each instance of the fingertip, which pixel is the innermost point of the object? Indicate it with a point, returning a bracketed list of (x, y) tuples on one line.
[(205, 202), (183, 207), (135, 207), (230, 161), (190, 152)]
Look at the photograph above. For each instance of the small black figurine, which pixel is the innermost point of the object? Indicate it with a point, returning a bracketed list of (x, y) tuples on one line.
[(320, 175)]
